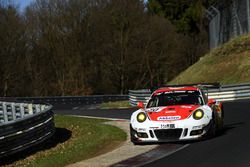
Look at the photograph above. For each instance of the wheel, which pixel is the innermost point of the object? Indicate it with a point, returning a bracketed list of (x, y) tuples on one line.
[(219, 117), (213, 127), (221, 121), (133, 139)]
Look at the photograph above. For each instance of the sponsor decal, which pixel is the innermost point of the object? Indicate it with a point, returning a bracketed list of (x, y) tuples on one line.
[(154, 128), (197, 127), (176, 88), (141, 129), (168, 118), (167, 112), (153, 109), (186, 107), (171, 92)]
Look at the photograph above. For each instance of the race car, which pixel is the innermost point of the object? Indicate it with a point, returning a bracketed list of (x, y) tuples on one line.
[(176, 113)]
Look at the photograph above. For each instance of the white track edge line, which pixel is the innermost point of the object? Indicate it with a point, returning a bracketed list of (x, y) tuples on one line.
[(116, 119), (163, 156), (111, 119)]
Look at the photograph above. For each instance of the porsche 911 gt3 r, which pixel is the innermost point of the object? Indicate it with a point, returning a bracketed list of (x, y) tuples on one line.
[(176, 113)]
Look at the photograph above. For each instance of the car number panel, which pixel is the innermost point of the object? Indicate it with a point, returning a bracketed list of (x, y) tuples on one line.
[(167, 126)]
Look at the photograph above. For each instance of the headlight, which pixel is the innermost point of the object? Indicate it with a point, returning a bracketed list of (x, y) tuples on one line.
[(141, 117), (198, 114)]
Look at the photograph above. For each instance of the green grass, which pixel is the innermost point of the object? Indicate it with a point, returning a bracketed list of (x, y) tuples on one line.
[(117, 104), (77, 139), (227, 64)]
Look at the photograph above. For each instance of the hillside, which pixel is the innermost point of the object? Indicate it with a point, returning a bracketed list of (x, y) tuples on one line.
[(227, 64)]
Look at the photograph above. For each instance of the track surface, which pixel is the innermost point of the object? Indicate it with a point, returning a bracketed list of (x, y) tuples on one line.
[(82, 111), (231, 148)]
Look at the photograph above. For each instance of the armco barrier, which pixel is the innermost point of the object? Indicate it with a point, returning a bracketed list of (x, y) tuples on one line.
[(83, 100), (224, 93), (139, 95), (23, 125)]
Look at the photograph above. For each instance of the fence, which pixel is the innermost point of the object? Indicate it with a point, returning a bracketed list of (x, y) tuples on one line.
[(224, 93), (23, 125), (228, 19)]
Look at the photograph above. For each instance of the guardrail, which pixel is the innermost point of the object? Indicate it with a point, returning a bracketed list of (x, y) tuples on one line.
[(139, 95), (224, 93), (85, 100), (23, 125)]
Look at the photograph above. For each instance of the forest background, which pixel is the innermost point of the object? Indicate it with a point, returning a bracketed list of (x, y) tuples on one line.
[(84, 47)]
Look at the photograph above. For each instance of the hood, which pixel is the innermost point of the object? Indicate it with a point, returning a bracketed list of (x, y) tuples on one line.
[(171, 113)]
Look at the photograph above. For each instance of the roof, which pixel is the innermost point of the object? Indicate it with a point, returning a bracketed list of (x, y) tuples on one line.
[(170, 89)]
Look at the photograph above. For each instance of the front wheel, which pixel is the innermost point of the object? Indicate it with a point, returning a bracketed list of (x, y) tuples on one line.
[(212, 129), (221, 119), (133, 139)]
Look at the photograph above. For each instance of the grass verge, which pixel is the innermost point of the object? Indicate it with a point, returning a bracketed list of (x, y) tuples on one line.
[(114, 105), (227, 64), (75, 139)]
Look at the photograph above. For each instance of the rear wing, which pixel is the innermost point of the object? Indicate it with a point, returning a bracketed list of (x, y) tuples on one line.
[(202, 86), (205, 87)]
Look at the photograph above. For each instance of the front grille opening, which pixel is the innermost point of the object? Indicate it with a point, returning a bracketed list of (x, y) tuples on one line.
[(168, 134), (142, 135), (196, 132), (185, 132), (151, 134)]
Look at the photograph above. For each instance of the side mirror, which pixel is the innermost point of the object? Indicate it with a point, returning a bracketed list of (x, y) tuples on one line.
[(211, 102), (140, 105)]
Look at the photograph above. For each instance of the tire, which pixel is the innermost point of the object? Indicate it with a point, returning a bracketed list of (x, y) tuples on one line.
[(132, 134), (221, 126), (212, 129)]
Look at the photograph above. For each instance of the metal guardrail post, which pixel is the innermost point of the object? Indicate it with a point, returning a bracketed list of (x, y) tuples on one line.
[(22, 110), (5, 112), (13, 109)]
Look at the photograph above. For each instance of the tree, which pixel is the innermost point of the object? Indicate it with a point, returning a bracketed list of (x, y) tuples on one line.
[(73, 47), (133, 46), (188, 17), (57, 31), (12, 51)]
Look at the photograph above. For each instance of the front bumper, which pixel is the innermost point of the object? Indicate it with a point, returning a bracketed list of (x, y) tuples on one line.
[(168, 131)]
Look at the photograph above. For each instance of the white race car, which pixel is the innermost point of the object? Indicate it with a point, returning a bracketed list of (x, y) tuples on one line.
[(176, 113)]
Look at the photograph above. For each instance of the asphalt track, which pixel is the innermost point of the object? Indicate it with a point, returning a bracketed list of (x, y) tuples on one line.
[(231, 148), (101, 113)]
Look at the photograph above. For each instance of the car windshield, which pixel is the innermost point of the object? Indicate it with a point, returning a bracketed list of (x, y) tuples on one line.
[(175, 98)]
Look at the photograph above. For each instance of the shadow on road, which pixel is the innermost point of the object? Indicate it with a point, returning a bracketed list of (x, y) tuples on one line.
[(222, 132), (61, 135), (227, 128)]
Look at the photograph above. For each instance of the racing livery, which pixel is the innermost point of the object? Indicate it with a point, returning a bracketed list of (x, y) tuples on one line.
[(176, 113)]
